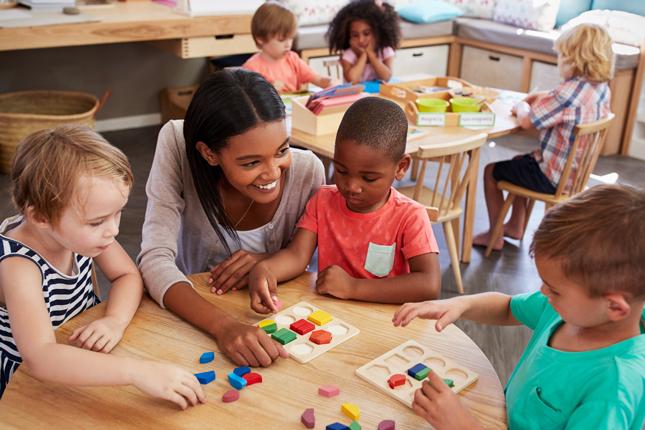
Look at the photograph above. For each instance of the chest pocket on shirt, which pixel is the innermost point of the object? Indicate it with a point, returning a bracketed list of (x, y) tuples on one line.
[(550, 415), (379, 259)]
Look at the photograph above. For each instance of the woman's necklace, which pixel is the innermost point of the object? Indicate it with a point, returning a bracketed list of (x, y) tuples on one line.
[(243, 215)]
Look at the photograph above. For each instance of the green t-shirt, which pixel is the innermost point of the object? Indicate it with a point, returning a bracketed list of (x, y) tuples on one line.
[(552, 389)]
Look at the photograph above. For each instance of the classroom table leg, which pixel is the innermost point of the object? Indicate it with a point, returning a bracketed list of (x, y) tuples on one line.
[(469, 214)]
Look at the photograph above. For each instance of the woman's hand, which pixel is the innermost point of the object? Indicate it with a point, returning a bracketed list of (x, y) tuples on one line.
[(232, 273), (444, 311), (248, 345), (100, 335)]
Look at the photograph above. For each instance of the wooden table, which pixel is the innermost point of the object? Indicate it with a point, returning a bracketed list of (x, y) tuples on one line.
[(278, 402), (505, 124)]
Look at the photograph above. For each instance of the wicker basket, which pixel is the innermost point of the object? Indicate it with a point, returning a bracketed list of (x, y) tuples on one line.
[(24, 112)]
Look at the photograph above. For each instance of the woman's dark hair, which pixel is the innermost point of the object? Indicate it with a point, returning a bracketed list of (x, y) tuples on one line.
[(228, 103), (383, 19)]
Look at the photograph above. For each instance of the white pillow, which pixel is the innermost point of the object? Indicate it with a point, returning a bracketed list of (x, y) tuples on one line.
[(623, 27), (314, 12), (476, 8), (527, 14)]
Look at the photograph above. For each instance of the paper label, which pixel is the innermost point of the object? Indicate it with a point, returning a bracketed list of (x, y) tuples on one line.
[(476, 119), (432, 119)]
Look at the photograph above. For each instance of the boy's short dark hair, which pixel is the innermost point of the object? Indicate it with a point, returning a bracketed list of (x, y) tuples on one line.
[(599, 236), (272, 20), (378, 123)]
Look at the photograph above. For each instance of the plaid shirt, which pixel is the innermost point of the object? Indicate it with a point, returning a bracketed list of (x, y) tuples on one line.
[(556, 114)]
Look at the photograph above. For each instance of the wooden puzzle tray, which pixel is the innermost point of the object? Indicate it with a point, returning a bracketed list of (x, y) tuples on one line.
[(406, 356), (297, 339)]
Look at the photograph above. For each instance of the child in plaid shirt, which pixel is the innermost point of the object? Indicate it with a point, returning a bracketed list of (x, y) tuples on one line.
[(585, 62)]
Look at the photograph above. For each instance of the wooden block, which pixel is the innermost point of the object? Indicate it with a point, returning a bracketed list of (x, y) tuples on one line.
[(418, 359), (320, 337), (241, 371), (252, 378), (419, 371), (396, 380), (328, 390), (236, 382), (269, 326), (205, 377), (449, 382), (320, 317), (354, 425), (352, 411), (386, 425), (302, 326), (284, 336), (230, 396), (207, 357), (336, 426), (308, 418)]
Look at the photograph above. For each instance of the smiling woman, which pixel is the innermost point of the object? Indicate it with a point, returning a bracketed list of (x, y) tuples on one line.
[(224, 191)]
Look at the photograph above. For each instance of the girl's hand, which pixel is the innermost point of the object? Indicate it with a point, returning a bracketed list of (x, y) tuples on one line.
[(232, 273), (263, 287), (101, 335), (436, 403), (335, 282), (444, 311), (167, 382), (248, 346)]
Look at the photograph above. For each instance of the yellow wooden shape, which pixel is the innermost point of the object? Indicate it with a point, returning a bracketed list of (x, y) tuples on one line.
[(351, 410), (265, 323), (320, 317)]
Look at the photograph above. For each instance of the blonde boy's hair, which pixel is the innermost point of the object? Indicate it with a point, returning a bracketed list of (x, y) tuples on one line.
[(48, 164), (588, 48), (599, 238), (272, 20)]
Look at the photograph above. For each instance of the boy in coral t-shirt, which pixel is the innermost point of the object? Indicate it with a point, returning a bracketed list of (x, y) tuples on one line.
[(374, 244), (273, 27)]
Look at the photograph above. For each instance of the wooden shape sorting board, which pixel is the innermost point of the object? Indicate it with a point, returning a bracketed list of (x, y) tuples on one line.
[(302, 349), (400, 359)]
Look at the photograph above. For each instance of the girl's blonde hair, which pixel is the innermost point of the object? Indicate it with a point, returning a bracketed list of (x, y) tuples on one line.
[(588, 48), (48, 164), (272, 20)]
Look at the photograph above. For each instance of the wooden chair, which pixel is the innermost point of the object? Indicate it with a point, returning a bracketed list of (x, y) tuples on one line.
[(334, 69), (589, 139), (457, 165)]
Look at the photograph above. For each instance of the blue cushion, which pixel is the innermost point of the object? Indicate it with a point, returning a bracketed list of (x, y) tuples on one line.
[(631, 6), (569, 9), (423, 12)]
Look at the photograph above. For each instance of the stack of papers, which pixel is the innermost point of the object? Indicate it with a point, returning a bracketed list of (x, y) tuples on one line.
[(214, 7), (48, 4), (339, 96)]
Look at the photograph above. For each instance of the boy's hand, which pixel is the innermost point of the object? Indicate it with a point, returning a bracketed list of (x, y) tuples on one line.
[(335, 282), (232, 273), (439, 405), (263, 288), (521, 108), (168, 382), (101, 335), (444, 311), (248, 345)]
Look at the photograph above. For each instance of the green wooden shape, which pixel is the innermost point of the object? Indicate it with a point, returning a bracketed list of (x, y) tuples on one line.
[(268, 329), (449, 382), (354, 426), (284, 336), (422, 374)]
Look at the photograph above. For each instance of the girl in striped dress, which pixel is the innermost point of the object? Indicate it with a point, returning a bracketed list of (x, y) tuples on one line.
[(70, 186)]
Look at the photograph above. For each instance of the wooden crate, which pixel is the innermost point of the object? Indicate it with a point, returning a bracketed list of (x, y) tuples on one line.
[(174, 102), (412, 90), (483, 118), (326, 123)]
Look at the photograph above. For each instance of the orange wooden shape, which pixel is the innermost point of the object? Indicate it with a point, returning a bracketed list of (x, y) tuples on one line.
[(320, 337)]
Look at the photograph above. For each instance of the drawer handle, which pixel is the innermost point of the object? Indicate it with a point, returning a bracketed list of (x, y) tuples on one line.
[(224, 36), (417, 54), (493, 58)]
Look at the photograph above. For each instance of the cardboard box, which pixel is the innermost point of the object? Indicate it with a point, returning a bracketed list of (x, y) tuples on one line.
[(326, 123), (484, 118), (174, 102)]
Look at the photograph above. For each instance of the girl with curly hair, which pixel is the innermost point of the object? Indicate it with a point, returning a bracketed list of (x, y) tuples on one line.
[(365, 35)]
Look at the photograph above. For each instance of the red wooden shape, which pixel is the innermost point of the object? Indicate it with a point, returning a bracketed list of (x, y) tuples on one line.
[(396, 380), (252, 378), (302, 326)]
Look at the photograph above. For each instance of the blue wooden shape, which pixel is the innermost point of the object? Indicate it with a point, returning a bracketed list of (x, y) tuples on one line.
[(241, 371), (412, 371), (207, 357), (337, 426), (236, 381), (205, 377)]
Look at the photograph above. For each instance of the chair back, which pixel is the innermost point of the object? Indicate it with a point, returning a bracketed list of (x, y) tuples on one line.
[(456, 164), (334, 69), (589, 139)]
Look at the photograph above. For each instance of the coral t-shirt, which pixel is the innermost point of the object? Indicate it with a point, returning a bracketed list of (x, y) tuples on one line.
[(290, 70), (371, 245)]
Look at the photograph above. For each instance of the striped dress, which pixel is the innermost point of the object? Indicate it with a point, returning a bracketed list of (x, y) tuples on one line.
[(65, 296)]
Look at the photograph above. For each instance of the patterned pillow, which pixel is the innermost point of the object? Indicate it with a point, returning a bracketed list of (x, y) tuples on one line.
[(313, 12), (476, 8), (528, 14)]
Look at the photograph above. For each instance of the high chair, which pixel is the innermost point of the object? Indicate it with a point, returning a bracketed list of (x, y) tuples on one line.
[(589, 139), (442, 202)]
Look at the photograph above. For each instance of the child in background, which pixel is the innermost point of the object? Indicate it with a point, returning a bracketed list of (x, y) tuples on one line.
[(585, 62), (366, 35), (70, 187), (273, 28), (374, 244), (583, 367)]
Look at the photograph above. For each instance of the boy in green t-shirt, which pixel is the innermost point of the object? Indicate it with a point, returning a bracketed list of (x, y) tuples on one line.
[(584, 367)]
